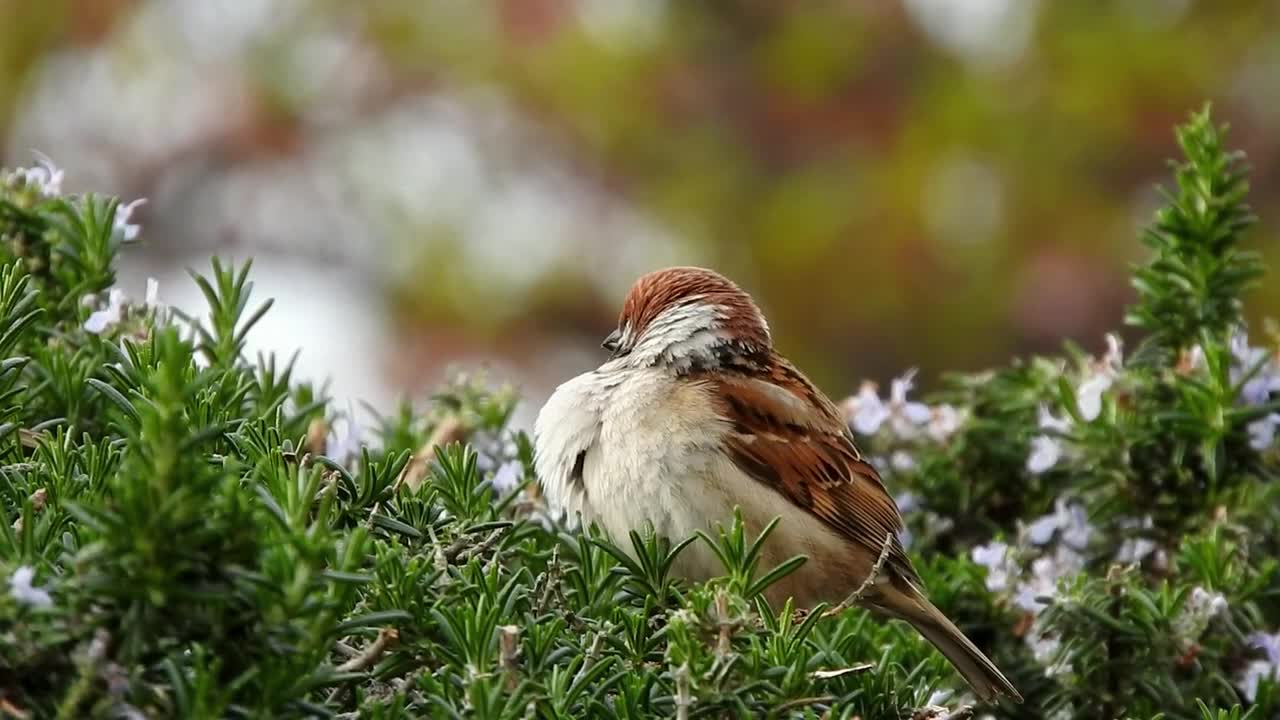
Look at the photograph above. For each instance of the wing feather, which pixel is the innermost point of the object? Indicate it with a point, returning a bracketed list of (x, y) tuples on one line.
[(787, 435)]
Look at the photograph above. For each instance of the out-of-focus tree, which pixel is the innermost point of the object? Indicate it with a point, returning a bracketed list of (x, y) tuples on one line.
[(931, 182)]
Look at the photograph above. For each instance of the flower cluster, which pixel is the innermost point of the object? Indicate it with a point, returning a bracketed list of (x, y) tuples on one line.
[(108, 315), (1054, 544), (45, 180), (899, 426), (900, 422), (1049, 447)]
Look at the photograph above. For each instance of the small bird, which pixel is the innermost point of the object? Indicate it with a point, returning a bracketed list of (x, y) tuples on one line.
[(695, 414)]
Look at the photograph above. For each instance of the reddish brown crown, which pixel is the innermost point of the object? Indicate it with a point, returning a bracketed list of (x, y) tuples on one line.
[(661, 289)]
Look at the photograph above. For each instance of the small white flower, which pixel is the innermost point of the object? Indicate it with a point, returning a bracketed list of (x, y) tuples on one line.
[(1068, 517), (1268, 643), (1258, 670), (1101, 376), (902, 461), (1262, 432), (1089, 395), (21, 589), (944, 421), (1265, 377), (491, 450), (1045, 453), (1043, 583), (1076, 529), (120, 224), (866, 411), (45, 178), (1135, 549), (152, 296), (1046, 572), (940, 696), (1046, 648), (1200, 607), (100, 320), (994, 556), (346, 446), (1246, 356), (1208, 602), (1254, 673), (1259, 389), (507, 477), (906, 416), (1046, 450)]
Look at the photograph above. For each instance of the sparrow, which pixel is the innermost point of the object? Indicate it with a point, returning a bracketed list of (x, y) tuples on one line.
[(695, 414)]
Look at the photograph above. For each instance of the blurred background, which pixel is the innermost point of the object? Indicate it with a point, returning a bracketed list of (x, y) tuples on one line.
[(432, 184)]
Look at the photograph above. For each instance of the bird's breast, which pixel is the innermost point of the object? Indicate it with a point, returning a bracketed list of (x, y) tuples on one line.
[(657, 459)]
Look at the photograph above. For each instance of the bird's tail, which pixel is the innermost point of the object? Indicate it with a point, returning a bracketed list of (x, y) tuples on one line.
[(976, 668)]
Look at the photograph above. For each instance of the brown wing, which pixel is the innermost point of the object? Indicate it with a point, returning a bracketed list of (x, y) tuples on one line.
[(789, 436)]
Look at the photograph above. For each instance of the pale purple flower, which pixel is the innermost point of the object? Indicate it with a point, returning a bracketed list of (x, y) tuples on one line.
[(1043, 583), (45, 177), (1257, 670), (994, 556), (1089, 395), (1254, 673), (1101, 376), (492, 449), (100, 320), (1268, 643), (1067, 517), (1046, 449), (1075, 526), (907, 501), (1045, 453), (1262, 432), (906, 416), (1265, 377), (866, 411), (507, 477), (1046, 572), (902, 461), (1046, 648), (1135, 549), (342, 448), (944, 421), (120, 224), (939, 696), (21, 589)]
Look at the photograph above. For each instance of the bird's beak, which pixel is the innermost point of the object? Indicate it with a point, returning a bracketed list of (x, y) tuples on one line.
[(613, 343)]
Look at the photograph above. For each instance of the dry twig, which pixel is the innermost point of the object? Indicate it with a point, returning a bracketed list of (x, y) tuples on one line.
[(867, 583), (387, 638)]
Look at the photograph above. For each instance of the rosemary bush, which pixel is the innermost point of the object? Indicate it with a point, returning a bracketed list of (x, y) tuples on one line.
[(187, 532)]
